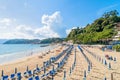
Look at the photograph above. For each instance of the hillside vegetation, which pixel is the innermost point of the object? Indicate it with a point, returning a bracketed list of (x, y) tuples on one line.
[(100, 30)]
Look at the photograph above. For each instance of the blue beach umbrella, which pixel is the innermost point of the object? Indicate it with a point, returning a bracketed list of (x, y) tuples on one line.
[(2, 73), (84, 77), (91, 65), (36, 65), (88, 68), (105, 62), (70, 70), (27, 68), (44, 70), (114, 58), (15, 70), (109, 66), (85, 74), (64, 75), (53, 67), (105, 78)]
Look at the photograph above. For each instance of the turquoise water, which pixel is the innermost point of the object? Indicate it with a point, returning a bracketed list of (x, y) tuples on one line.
[(12, 52), (12, 48)]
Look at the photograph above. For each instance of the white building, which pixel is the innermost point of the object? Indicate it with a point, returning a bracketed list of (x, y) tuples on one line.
[(117, 37)]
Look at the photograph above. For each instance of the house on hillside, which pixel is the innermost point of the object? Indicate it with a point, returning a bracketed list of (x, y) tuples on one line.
[(117, 37)]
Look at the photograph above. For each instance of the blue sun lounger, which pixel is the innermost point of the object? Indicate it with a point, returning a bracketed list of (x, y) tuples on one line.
[(19, 77), (47, 64), (12, 76), (34, 78), (31, 78), (52, 72), (37, 70), (28, 73), (4, 77), (52, 59), (37, 78), (43, 76)]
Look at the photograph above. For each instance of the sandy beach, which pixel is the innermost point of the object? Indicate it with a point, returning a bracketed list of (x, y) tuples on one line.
[(98, 71)]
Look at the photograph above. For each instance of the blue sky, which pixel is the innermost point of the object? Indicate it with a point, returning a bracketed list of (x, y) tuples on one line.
[(49, 18)]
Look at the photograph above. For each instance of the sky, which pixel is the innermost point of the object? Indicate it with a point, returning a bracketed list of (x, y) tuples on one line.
[(39, 19)]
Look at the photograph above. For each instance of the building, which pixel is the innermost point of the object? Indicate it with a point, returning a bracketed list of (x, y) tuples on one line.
[(117, 27)]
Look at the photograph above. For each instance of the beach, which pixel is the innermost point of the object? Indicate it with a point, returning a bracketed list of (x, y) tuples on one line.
[(98, 71), (13, 52)]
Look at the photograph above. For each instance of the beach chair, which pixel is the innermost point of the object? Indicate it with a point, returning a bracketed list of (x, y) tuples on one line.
[(37, 78), (28, 74), (52, 72), (4, 77), (52, 59), (47, 74), (18, 76), (37, 70), (31, 78), (12, 77), (47, 64), (43, 76), (15, 75)]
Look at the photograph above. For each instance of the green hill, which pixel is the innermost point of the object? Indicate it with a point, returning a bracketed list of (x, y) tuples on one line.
[(101, 30), (34, 41), (22, 41)]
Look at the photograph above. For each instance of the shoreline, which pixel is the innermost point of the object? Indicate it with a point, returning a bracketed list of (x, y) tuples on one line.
[(10, 58), (30, 61)]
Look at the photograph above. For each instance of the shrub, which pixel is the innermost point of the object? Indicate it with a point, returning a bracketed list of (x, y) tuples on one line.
[(117, 47)]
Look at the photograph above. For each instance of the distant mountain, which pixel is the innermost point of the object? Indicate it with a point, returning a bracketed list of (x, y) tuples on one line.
[(2, 41), (34, 41), (22, 41)]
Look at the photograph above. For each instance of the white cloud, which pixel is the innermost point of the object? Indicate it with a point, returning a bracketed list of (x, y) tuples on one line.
[(47, 30), (24, 29), (6, 21), (68, 31), (42, 32), (52, 19)]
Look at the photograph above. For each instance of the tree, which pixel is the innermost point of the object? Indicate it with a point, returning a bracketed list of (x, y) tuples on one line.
[(101, 29), (109, 14)]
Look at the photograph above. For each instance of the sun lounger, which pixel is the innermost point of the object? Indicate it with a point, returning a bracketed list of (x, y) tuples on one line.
[(4, 77), (43, 76), (52, 59), (37, 71), (37, 78), (31, 78), (28, 73), (52, 72), (19, 77), (12, 76)]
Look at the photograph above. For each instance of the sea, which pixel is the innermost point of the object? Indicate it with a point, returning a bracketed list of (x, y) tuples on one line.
[(12, 52)]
